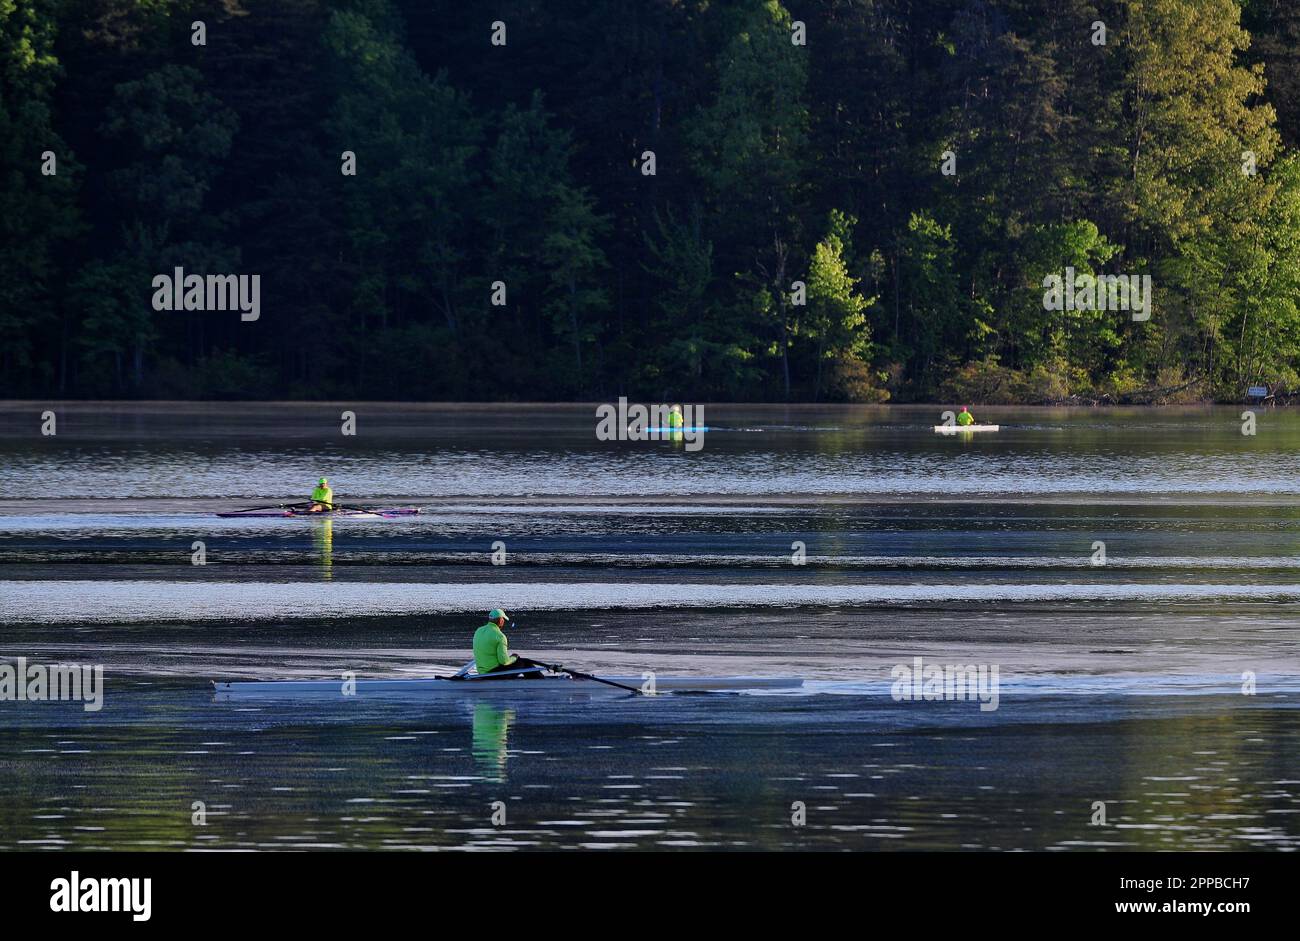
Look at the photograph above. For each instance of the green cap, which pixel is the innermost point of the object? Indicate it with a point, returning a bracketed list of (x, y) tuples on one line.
[(322, 482), (496, 614)]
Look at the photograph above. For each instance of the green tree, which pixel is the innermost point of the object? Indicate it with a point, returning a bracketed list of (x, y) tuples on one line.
[(534, 215), (836, 311), (573, 258), (694, 346), (1078, 343), (1192, 110), (38, 215), (749, 148), (931, 295), (414, 138), (172, 136)]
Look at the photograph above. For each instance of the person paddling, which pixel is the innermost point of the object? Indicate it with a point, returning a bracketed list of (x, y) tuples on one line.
[(965, 417), (322, 498), (492, 650)]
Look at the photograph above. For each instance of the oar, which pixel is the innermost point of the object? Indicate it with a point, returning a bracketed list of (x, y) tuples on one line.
[(344, 506), (273, 506), (557, 668)]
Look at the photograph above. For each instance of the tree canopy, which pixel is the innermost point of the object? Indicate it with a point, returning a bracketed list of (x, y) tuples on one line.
[(827, 200)]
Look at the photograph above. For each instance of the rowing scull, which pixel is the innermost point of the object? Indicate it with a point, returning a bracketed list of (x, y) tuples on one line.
[(477, 686), (365, 514)]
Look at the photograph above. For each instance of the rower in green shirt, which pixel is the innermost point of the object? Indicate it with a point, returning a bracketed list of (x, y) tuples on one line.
[(675, 424), (322, 498), (491, 650), (965, 417)]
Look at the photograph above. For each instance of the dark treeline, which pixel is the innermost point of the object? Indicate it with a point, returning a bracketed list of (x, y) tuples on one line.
[(797, 142)]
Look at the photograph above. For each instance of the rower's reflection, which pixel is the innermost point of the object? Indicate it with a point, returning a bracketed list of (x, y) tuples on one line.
[(491, 731), (323, 541)]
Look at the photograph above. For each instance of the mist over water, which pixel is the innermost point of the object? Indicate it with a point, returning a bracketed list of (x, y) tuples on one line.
[(1121, 679)]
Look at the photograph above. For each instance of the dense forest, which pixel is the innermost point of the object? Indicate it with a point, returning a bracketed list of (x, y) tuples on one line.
[(814, 200)]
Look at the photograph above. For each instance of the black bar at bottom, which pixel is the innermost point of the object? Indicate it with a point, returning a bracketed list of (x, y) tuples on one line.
[(234, 891)]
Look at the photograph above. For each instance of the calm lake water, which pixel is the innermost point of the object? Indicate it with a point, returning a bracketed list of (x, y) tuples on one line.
[(1122, 569)]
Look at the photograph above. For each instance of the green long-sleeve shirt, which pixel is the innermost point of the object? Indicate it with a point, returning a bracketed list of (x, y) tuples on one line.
[(490, 648)]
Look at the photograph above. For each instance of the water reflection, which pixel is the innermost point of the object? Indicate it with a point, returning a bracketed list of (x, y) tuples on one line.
[(1196, 773), (322, 538), (490, 739)]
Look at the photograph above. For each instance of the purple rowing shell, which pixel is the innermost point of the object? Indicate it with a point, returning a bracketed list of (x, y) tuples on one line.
[(279, 514)]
